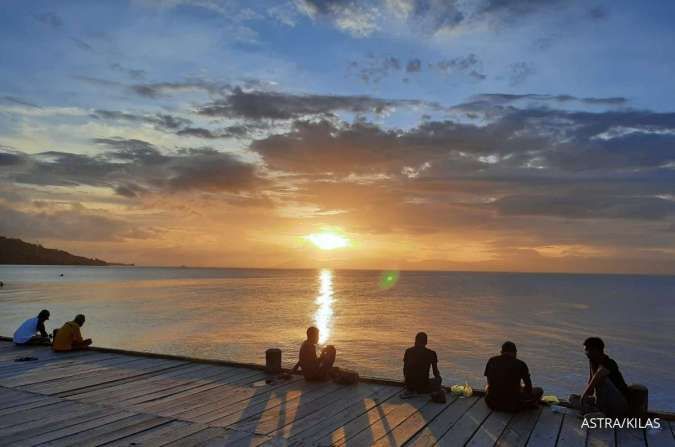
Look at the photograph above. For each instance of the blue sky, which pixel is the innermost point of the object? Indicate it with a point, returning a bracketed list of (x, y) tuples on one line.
[(557, 113)]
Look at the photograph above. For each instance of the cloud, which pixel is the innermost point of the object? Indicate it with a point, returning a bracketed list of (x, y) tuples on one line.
[(133, 73), (264, 105), (73, 223), (133, 167), (413, 66), (468, 65), (161, 121), (49, 19), (518, 72), (162, 89), (374, 69), (504, 98)]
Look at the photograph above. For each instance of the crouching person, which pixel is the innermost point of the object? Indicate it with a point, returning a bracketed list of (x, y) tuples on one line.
[(69, 337), (504, 374)]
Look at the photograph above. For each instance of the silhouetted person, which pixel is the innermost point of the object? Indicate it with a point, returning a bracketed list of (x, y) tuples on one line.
[(606, 390), (69, 337), (315, 368), (504, 374), (416, 364), (32, 331)]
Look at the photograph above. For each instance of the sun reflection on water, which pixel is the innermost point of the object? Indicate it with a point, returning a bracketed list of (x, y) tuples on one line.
[(323, 317)]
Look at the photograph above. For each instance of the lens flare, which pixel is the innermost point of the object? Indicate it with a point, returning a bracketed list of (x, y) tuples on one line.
[(388, 279), (327, 240)]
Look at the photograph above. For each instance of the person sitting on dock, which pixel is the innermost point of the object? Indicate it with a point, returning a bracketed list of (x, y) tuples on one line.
[(32, 331), (504, 374), (315, 368), (417, 361), (606, 390), (69, 337)]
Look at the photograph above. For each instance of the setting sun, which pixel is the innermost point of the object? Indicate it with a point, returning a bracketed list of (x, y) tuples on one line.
[(327, 241)]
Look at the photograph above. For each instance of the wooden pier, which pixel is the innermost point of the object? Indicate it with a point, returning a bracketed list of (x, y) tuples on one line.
[(111, 398)]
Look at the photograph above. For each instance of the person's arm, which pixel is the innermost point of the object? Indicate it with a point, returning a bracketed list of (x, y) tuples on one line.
[(77, 335), (527, 381), (487, 373), (41, 328), (296, 367), (434, 367), (600, 374), (406, 367)]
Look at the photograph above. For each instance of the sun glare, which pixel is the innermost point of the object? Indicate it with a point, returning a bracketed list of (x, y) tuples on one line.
[(327, 241)]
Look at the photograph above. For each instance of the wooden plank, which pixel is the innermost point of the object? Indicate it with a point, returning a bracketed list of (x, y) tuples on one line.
[(282, 409), (353, 399), (25, 416), (444, 422), (412, 424), (181, 397), (80, 426), (391, 413), (662, 437), (571, 432), (163, 434), (326, 425), (545, 433), (518, 431), (41, 427), (466, 426), (491, 430), (112, 431), (601, 438), (202, 437), (630, 438)]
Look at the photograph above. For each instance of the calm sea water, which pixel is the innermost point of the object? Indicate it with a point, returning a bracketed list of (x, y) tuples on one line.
[(236, 314)]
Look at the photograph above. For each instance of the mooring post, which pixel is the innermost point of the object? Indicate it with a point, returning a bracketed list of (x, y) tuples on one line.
[(273, 361)]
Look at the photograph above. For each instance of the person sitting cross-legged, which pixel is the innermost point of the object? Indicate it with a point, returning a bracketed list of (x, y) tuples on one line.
[(32, 331), (315, 368), (69, 337), (504, 374), (417, 361)]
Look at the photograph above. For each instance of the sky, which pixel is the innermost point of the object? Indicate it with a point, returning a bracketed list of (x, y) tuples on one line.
[(498, 135)]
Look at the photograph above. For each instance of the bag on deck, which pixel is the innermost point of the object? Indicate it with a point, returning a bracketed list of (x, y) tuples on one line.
[(346, 377)]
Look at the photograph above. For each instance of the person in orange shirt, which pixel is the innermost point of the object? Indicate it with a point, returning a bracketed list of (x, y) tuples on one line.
[(69, 337)]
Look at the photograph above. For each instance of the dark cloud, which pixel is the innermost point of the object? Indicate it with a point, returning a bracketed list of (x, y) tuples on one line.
[(161, 89), (133, 73), (598, 13), (262, 105), (504, 98), (74, 223), (468, 65), (19, 101), (161, 121), (50, 19), (374, 69), (584, 206), (518, 72), (81, 44), (132, 167), (413, 66)]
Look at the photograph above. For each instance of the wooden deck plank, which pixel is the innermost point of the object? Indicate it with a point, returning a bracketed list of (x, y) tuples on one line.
[(630, 438), (491, 430), (466, 426), (545, 433), (353, 398), (444, 422), (662, 437), (571, 432), (308, 432), (282, 409), (412, 424), (601, 438), (80, 426), (112, 431), (517, 433), (387, 416)]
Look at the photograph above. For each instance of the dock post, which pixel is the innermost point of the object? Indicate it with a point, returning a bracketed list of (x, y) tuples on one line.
[(273, 361)]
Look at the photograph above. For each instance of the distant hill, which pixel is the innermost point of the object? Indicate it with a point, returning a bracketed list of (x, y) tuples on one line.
[(16, 251)]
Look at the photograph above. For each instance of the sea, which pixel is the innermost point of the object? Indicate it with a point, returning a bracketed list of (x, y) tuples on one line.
[(370, 316)]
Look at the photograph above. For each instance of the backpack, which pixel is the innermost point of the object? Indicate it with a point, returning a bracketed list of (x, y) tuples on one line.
[(346, 377)]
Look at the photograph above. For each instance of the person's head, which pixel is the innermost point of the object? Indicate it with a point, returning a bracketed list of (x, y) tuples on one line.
[(313, 334), (421, 339), (595, 348), (43, 315), (79, 319), (509, 348)]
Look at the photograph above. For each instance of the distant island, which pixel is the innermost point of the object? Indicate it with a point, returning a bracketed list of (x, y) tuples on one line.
[(16, 251)]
